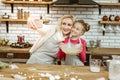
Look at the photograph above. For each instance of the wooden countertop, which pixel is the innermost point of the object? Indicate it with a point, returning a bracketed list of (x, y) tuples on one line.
[(105, 51), (8, 49), (83, 73), (96, 51)]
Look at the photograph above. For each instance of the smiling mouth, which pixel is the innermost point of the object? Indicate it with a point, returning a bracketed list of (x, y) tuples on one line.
[(66, 30)]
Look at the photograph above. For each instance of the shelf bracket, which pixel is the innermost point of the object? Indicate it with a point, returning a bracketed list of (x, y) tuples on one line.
[(100, 9), (48, 8), (12, 7), (7, 26), (104, 31)]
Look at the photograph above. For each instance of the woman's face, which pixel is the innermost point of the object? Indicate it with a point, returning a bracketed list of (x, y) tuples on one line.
[(66, 26), (77, 30)]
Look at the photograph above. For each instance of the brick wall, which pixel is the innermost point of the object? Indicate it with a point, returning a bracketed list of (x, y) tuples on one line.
[(90, 15)]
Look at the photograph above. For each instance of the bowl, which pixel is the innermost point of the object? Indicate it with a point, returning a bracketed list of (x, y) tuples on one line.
[(70, 49)]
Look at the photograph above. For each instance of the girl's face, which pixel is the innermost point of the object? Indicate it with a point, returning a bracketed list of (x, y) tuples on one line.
[(77, 30), (66, 26)]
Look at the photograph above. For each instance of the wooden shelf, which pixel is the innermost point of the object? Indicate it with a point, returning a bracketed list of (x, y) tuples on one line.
[(75, 5), (109, 22), (20, 20), (109, 4), (101, 4), (28, 3), (45, 21), (104, 23), (13, 20)]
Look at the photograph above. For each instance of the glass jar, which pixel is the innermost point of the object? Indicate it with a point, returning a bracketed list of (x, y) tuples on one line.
[(20, 13), (114, 68), (20, 39), (5, 16), (26, 15)]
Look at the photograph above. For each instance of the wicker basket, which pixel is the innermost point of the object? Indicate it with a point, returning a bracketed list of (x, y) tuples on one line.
[(70, 48)]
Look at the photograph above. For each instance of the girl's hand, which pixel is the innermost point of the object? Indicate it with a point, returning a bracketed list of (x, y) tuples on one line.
[(79, 49)]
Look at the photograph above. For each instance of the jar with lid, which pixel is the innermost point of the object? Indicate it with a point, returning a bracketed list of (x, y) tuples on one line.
[(20, 13), (111, 17), (114, 68), (26, 15), (117, 18), (20, 38), (105, 18), (5, 16)]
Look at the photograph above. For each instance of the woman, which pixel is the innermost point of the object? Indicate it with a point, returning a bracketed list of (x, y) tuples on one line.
[(44, 50)]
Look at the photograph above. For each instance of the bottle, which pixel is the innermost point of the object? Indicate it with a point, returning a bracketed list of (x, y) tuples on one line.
[(98, 43)]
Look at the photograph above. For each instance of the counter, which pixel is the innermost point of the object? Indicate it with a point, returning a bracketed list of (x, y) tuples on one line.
[(105, 51), (82, 73), (8, 49), (10, 54)]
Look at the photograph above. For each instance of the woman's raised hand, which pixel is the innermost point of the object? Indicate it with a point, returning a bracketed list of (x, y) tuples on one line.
[(34, 24)]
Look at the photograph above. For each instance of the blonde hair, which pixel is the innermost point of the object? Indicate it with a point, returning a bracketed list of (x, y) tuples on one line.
[(61, 19), (86, 26)]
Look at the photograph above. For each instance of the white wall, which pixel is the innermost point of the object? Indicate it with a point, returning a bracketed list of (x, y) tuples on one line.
[(90, 15)]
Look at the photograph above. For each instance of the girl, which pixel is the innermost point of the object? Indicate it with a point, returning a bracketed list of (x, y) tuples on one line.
[(74, 41), (44, 50)]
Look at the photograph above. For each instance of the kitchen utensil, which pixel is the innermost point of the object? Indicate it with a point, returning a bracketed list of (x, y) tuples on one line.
[(95, 65), (109, 29)]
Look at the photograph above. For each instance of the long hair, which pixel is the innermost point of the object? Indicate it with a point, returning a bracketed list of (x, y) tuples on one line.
[(61, 19)]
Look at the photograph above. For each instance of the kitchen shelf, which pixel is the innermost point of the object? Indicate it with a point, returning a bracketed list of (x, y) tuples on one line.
[(14, 20), (11, 20), (75, 5), (45, 21), (28, 3), (102, 4), (109, 4), (108, 23)]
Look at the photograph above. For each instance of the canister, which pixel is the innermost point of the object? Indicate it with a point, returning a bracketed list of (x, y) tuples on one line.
[(20, 13), (26, 15)]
